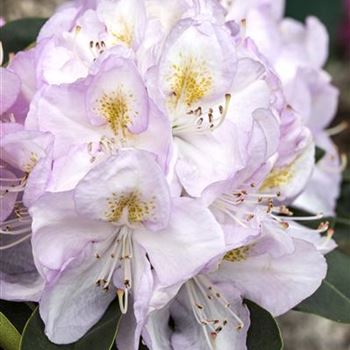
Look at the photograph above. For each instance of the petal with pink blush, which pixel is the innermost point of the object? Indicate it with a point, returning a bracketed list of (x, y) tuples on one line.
[(11, 86), (74, 303), (59, 234), (23, 149), (61, 111)]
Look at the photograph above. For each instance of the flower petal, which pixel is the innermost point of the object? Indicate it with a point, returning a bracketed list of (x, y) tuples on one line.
[(192, 238), (128, 188), (280, 283), (74, 303)]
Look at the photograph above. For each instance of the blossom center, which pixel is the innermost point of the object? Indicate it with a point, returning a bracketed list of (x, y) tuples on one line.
[(114, 107), (190, 80), (131, 205), (124, 34), (238, 254), (277, 177)]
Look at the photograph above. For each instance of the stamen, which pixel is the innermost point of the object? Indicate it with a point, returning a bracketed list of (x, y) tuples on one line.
[(122, 255), (343, 162), (123, 300), (208, 306), (227, 208), (336, 170), (8, 231), (205, 120), (13, 244), (299, 218), (323, 227), (337, 129)]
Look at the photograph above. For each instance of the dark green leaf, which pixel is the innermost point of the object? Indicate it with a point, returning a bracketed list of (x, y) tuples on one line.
[(263, 333), (343, 205), (319, 154), (17, 313), (332, 299), (9, 336), (143, 347), (346, 174), (329, 12), (19, 34), (100, 337)]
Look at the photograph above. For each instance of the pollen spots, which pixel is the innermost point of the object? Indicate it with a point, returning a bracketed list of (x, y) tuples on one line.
[(31, 163), (137, 209), (238, 254), (278, 177), (125, 34), (114, 107), (190, 80)]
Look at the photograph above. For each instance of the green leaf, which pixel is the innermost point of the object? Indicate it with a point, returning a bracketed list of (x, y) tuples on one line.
[(332, 299), (346, 173), (9, 336), (329, 12), (101, 336), (263, 333), (319, 154), (142, 346), (18, 35), (343, 205), (17, 313)]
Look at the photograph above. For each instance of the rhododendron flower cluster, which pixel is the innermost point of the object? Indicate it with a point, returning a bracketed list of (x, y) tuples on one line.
[(151, 151)]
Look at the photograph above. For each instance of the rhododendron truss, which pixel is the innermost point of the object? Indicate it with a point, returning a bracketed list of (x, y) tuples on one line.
[(153, 155)]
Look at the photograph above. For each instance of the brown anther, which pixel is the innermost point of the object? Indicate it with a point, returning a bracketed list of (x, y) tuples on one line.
[(284, 225), (330, 232), (250, 217)]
